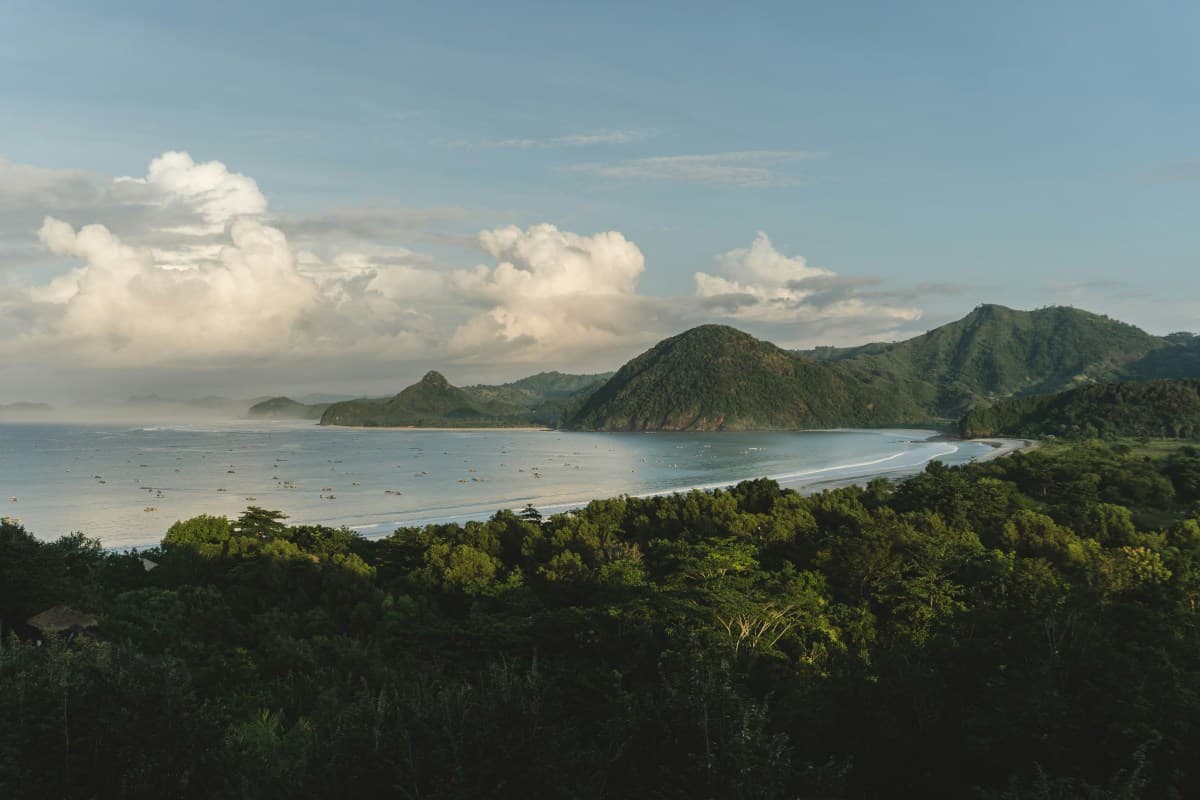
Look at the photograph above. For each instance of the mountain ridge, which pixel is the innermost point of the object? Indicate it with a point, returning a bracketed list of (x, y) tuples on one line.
[(716, 377)]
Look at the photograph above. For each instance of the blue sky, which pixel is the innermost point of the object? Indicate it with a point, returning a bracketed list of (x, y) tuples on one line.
[(939, 154)]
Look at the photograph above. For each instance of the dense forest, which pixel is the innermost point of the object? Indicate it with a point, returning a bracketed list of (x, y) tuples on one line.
[(1162, 408), (996, 352), (1021, 628), (719, 378)]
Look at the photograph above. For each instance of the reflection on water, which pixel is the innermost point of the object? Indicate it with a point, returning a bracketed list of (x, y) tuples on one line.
[(127, 485)]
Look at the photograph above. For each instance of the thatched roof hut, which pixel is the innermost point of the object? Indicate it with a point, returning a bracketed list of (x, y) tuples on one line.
[(62, 619)]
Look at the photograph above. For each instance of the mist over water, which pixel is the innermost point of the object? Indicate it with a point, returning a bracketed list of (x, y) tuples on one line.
[(128, 484)]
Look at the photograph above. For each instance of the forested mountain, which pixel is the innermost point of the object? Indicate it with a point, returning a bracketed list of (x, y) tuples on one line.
[(996, 352), (286, 408), (537, 400), (548, 397), (1179, 359), (718, 378), (715, 377), (430, 401), (1023, 628), (1169, 408), (537, 388)]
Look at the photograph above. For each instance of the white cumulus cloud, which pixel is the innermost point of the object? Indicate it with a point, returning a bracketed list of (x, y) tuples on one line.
[(184, 269), (209, 189), (761, 284), (552, 291), (122, 306)]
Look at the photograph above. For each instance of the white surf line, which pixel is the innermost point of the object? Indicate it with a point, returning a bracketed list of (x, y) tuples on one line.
[(788, 476), (701, 487), (552, 508)]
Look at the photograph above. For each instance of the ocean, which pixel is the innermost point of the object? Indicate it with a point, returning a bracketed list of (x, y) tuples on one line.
[(127, 484)]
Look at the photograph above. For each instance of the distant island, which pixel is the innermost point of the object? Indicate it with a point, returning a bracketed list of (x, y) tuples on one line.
[(24, 409), (714, 378), (286, 408)]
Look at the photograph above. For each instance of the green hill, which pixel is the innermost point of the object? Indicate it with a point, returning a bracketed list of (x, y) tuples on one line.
[(996, 352), (547, 396), (432, 401), (286, 408), (718, 378), (537, 400), (1169, 408), (1180, 358)]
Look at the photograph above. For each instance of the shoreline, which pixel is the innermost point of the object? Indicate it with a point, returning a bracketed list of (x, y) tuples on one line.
[(1004, 447), (923, 446), (1001, 447), (465, 428)]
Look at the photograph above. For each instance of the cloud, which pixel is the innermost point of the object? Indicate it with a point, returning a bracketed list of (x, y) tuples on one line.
[(761, 284), (208, 190), (749, 169), (372, 225), (573, 140), (25, 187), (179, 205), (552, 291), (122, 306), (203, 277), (207, 277), (185, 272)]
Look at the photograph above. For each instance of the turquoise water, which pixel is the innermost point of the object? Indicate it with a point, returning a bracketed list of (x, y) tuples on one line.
[(126, 485)]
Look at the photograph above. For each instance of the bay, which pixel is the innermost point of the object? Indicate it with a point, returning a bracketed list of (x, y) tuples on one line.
[(127, 484)]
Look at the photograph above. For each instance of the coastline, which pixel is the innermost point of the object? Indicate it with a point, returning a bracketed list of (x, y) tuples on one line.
[(475, 428), (1004, 447), (1001, 447), (280, 446)]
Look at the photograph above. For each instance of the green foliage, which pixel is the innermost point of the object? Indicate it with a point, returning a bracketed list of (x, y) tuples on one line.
[(1026, 627), (718, 378), (1163, 408), (537, 400), (996, 352)]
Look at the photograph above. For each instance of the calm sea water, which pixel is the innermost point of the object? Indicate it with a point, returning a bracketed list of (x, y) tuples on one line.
[(126, 485)]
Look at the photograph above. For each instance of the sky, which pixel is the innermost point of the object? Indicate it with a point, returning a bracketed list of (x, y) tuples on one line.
[(257, 198)]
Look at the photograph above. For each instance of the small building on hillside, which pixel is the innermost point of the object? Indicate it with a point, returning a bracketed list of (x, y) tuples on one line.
[(61, 621)]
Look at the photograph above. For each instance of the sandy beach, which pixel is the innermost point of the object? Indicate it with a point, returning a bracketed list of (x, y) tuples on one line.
[(1005, 447)]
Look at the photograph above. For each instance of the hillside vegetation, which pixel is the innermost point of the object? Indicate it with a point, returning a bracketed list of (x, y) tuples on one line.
[(432, 402), (996, 352), (718, 378), (1168, 408)]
